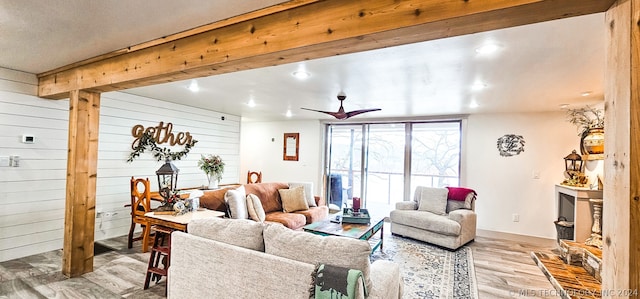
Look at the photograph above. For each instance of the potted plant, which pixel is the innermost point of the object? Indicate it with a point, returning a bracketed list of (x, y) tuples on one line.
[(590, 124), (213, 167)]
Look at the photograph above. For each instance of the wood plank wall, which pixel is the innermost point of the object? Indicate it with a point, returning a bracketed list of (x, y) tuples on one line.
[(33, 197)]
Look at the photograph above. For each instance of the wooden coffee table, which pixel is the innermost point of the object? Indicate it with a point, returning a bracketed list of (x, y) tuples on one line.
[(351, 230)]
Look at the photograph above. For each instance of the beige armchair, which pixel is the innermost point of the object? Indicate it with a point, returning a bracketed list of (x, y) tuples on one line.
[(434, 218)]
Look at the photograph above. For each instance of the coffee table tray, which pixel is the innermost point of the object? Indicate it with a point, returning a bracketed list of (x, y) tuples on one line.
[(360, 217)]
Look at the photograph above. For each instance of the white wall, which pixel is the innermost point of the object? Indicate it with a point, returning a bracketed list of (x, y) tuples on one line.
[(33, 195), (262, 146), (505, 185)]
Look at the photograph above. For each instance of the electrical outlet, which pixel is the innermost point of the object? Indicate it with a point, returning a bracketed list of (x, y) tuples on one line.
[(515, 217), (14, 161), (109, 215)]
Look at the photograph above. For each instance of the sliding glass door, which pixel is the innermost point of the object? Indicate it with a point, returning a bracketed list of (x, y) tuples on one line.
[(345, 164), (382, 163), (385, 174)]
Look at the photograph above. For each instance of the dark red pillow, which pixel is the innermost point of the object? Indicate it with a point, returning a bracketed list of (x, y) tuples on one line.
[(459, 193)]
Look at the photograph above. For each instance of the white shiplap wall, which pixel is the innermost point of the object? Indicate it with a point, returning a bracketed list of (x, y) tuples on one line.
[(33, 197)]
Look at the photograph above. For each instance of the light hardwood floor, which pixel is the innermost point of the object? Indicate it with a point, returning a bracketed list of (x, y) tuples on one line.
[(504, 269)]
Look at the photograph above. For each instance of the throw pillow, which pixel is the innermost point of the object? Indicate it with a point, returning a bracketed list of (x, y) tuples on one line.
[(314, 249), (293, 199), (254, 207), (308, 192), (236, 200), (453, 205), (432, 200), (239, 232)]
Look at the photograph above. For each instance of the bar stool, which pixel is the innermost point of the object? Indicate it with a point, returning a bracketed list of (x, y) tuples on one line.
[(160, 252)]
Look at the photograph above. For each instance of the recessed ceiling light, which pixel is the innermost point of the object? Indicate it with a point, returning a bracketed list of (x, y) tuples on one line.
[(251, 103), (564, 106), (478, 86), (487, 49), (193, 86), (585, 94), (473, 104), (288, 113), (301, 75)]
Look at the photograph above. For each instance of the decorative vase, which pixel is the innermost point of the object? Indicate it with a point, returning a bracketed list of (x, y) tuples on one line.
[(593, 141), (213, 180)]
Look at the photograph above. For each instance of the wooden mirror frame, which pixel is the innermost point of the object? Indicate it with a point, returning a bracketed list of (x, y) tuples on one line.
[(288, 147)]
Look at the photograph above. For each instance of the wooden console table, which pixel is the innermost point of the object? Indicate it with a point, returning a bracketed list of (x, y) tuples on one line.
[(179, 222)]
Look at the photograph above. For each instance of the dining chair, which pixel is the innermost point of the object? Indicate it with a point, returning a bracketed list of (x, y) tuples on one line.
[(254, 177), (140, 204)]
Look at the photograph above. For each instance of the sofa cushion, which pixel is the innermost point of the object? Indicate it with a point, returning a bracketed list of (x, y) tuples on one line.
[(293, 199), (308, 192), (268, 194), (426, 221), (314, 249), (239, 232), (237, 203), (290, 220), (314, 214), (254, 207), (432, 200), (214, 200)]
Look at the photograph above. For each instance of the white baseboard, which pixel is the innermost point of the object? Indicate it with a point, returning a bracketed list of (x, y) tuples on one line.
[(516, 237)]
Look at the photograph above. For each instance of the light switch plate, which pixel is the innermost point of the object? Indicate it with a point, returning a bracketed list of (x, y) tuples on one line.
[(4, 161)]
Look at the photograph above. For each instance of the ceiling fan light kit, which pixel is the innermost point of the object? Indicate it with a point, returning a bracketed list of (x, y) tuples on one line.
[(341, 114)]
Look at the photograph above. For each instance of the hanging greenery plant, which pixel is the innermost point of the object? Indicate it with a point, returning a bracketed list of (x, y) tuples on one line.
[(147, 142)]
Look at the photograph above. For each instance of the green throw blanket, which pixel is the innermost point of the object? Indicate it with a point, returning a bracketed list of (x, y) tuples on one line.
[(332, 282)]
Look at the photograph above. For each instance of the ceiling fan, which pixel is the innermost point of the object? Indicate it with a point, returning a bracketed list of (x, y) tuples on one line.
[(341, 114)]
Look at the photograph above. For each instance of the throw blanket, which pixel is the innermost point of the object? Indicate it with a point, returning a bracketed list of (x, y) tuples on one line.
[(459, 193), (333, 282)]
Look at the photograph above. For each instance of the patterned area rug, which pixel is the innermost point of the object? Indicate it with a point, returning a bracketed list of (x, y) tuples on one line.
[(430, 271)]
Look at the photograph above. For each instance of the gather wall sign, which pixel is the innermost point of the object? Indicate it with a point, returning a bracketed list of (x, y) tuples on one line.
[(148, 139), (161, 134)]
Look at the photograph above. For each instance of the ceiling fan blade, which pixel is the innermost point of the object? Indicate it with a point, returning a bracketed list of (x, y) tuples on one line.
[(341, 114), (356, 112), (337, 115)]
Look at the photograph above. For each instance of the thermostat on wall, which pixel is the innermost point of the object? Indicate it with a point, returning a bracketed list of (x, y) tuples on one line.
[(28, 138)]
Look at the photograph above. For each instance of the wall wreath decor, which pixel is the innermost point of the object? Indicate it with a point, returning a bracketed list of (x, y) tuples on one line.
[(510, 145)]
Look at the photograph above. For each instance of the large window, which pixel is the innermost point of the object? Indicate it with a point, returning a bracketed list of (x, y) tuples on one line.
[(383, 163)]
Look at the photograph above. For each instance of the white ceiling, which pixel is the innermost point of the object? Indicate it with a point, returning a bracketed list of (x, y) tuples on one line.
[(536, 68)]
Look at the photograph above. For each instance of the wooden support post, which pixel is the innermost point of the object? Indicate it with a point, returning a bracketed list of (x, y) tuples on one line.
[(84, 114), (621, 215)]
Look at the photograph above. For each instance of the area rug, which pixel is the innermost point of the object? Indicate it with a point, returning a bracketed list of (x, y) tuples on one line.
[(430, 271)]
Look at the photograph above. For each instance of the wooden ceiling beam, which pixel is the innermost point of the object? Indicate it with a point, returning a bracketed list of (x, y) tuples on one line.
[(300, 30)]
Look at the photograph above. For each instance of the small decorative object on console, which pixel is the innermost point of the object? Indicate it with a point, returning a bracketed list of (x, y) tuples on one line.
[(350, 216), (356, 204)]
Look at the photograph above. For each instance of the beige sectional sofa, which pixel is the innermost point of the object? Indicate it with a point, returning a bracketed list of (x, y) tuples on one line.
[(434, 218), (237, 258)]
